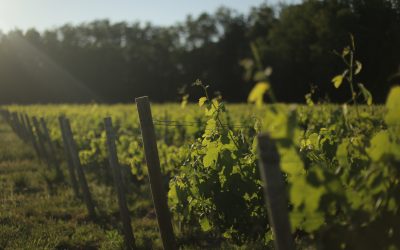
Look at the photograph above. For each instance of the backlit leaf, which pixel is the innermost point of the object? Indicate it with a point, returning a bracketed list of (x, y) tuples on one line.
[(257, 93), (211, 156), (337, 81), (393, 107), (205, 224), (358, 68), (366, 94), (202, 100), (184, 102), (380, 144)]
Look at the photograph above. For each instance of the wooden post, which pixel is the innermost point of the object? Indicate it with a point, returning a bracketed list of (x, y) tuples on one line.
[(153, 165), (32, 136), (165, 127), (67, 152), (12, 122), (20, 126), (16, 124), (41, 144), (275, 192), (25, 135), (52, 149), (77, 164), (116, 170)]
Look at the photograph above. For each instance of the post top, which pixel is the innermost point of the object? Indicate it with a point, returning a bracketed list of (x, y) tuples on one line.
[(141, 99)]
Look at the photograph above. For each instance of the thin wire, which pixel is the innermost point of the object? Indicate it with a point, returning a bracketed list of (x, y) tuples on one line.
[(189, 125), (178, 122), (186, 123)]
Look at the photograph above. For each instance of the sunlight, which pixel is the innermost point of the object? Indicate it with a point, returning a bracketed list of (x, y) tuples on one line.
[(49, 73), (214, 124)]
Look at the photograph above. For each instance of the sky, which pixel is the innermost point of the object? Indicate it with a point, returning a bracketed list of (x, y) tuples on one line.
[(45, 14)]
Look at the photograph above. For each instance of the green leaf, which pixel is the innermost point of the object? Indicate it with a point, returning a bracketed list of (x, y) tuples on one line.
[(210, 111), (291, 162), (307, 195), (380, 144), (205, 224), (314, 141), (211, 155), (366, 94), (296, 219), (342, 153), (392, 116), (257, 93), (313, 222), (395, 149), (281, 122), (358, 68), (202, 100), (345, 51), (210, 129), (184, 102), (173, 196), (337, 80)]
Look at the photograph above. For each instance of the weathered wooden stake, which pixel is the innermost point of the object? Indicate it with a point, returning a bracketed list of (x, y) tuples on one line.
[(77, 165), (25, 134), (116, 170), (32, 136), (12, 122), (52, 149), (16, 125), (275, 192), (67, 152), (153, 165), (40, 140)]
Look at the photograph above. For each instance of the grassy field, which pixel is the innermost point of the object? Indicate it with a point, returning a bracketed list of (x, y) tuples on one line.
[(37, 212), (336, 160)]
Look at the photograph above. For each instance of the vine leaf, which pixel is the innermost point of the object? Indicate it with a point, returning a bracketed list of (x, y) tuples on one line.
[(211, 155), (202, 100), (358, 67), (337, 80), (290, 161), (257, 93), (205, 224), (185, 100), (366, 94), (345, 51), (392, 104), (380, 144)]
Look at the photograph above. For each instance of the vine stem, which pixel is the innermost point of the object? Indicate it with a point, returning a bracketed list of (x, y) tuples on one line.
[(353, 93), (221, 125), (218, 119)]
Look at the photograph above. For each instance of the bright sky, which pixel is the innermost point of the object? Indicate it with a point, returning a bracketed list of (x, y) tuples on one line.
[(43, 14)]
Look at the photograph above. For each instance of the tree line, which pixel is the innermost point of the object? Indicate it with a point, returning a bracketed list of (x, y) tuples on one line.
[(101, 61)]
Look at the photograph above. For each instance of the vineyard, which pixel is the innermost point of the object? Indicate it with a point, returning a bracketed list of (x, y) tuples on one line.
[(339, 165)]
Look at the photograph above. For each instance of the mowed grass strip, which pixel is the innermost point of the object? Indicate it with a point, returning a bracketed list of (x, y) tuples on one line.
[(37, 211)]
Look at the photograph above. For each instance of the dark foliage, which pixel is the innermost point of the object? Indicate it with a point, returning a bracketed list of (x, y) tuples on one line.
[(114, 62)]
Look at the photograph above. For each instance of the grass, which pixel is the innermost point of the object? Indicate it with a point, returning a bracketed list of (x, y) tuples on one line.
[(40, 212)]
